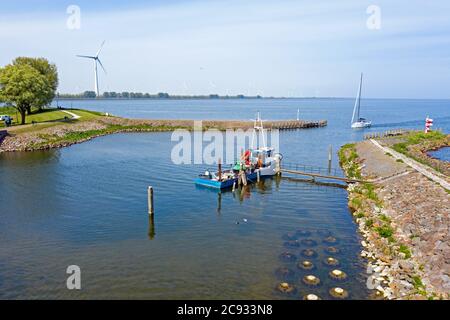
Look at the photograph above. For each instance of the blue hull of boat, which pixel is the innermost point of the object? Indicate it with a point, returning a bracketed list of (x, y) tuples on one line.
[(223, 184)]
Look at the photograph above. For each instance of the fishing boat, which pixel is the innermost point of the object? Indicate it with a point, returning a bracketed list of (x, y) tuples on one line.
[(357, 121), (256, 161)]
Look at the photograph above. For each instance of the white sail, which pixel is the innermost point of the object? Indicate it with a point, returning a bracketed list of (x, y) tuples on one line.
[(357, 107)]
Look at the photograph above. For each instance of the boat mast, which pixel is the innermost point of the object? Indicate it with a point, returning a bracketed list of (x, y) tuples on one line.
[(258, 128), (356, 115)]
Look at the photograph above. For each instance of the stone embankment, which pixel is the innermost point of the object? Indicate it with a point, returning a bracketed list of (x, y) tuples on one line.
[(403, 216)]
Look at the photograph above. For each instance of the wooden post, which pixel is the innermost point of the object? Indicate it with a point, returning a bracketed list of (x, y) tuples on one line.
[(330, 154), (277, 166), (220, 169), (150, 201)]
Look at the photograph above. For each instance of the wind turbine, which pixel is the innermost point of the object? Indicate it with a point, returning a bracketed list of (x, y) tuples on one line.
[(96, 59)]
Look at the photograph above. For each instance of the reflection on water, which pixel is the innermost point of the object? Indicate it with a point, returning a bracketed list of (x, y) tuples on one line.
[(87, 205)]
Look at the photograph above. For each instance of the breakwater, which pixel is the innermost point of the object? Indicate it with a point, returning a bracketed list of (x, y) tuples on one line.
[(403, 216), (71, 132)]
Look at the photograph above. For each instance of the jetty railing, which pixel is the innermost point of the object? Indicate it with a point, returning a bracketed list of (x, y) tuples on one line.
[(312, 169), (389, 133)]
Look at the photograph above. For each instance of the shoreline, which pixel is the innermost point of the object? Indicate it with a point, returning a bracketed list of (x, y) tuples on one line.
[(403, 218), (74, 131)]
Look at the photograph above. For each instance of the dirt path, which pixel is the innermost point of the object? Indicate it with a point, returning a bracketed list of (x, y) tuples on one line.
[(73, 115)]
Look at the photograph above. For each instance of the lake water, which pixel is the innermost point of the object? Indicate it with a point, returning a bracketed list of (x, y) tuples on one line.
[(87, 205), (441, 154)]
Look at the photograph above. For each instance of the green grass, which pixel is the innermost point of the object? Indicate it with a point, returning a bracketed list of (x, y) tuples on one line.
[(404, 249), (421, 140), (47, 115), (385, 231), (44, 115), (415, 138), (347, 158)]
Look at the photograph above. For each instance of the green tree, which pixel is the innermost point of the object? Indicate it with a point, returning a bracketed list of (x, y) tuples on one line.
[(23, 87), (46, 69)]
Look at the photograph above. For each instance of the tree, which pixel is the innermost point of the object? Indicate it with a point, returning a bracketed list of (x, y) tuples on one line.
[(89, 94), (46, 69), (23, 87)]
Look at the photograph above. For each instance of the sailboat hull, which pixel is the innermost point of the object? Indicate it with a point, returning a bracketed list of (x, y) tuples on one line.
[(361, 124)]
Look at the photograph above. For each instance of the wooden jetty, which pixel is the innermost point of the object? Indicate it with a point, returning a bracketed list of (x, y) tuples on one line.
[(316, 172), (318, 175)]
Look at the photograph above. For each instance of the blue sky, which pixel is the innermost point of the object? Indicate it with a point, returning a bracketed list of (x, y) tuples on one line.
[(272, 48)]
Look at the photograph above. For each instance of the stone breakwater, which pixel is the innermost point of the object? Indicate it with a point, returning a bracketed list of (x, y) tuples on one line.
[(404, 220), (66, 134)]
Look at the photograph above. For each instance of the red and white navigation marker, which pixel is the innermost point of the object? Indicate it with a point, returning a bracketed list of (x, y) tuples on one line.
[(428, 124)]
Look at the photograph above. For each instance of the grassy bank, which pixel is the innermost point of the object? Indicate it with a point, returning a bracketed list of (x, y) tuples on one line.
[(416, 145)]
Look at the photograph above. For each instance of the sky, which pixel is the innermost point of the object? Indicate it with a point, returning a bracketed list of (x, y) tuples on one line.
[(253, 47)]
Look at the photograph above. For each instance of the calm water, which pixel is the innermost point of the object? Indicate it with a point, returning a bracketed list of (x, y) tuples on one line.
[(441, 154), (86, 205)]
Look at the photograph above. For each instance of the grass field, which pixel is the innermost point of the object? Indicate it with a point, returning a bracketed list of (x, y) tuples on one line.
[(46, 115)]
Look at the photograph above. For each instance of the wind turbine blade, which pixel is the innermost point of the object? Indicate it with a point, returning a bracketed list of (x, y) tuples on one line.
[(89, 57), (101, 65), (99, 50)]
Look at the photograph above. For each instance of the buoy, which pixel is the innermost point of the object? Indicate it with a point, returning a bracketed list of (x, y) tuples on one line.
[(292, 244), (309, 242), (288, 257), (332, 250), (311, 280), (330, 261), (284, 273), (330, 240), (338, 274), (285, 287), (311, 297), (338, 293), (309, 253), (305, 265)]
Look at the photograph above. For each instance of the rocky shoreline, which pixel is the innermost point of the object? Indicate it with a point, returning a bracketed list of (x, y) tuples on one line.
[(66, 134), (404, 220)]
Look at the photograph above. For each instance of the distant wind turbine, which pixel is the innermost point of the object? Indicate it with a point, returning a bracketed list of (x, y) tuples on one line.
[(96, 59)]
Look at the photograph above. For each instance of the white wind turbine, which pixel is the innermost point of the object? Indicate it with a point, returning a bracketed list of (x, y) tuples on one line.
[(96, 59)]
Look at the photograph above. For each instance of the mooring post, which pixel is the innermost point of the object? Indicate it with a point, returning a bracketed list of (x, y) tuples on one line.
[(277, 166), (330, 154), (150, 200)]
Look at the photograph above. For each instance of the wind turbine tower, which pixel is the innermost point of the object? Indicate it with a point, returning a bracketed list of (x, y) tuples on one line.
[(96, 60)]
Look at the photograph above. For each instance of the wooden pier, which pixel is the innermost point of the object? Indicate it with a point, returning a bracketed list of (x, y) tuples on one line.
[(294, 124), (318, 175), (316, 172)]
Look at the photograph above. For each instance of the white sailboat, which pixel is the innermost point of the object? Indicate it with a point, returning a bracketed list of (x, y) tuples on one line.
[(357, 121)]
